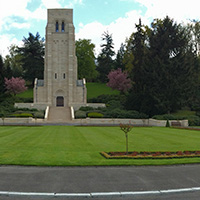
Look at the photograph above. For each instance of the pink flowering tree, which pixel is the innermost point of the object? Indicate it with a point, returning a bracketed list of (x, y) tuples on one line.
[(119, 80), (15, 85)]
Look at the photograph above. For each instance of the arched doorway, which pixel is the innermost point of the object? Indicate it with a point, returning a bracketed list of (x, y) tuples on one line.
[(60, 101)]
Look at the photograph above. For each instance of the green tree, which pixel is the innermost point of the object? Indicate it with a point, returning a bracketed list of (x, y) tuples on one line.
[(32, 58), (13, 63), (105, 59), (2, 86), (138, 50), (128, 55), (86, 60), (169, 69), (126, 128), (173, 64), (119, 61)]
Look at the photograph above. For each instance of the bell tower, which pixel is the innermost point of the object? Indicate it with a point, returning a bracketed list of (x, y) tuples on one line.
[(60, 87)]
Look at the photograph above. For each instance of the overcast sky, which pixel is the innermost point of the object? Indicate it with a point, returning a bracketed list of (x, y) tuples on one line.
[(91, 17)]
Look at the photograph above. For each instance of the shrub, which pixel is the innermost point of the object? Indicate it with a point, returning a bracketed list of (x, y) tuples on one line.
[(168, 117), (130, 114), (95, 115), (104, 98), (86, 108), (167, 124), (114, 104), (194, 120), (79, 114), (21, 115), (23, 100), (38, 114)]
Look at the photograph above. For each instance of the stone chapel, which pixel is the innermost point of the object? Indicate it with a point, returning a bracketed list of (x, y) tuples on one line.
[(60, 87)]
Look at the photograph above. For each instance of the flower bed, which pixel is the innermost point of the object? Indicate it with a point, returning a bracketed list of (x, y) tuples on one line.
[(188, 128), (151, 155)]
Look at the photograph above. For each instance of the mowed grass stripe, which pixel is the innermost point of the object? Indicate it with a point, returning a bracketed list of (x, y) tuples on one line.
[(81, 146)]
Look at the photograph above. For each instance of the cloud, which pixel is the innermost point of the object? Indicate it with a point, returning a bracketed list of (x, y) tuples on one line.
[(20, 25), (120, 29), (6, 41), (179, 10)]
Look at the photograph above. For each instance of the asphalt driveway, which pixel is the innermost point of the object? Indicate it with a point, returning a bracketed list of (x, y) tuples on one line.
[(101, 179)]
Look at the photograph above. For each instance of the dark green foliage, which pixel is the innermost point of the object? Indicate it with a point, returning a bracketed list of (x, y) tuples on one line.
[(6, 105), (169, 117), (7, 109), (123, 114), (105, 60), (32, 57), (86, 60), (167, 124), (104, 98), (23, 100), (39, 114), (194, 120), (79, 114), (114, 104), (95, 115), (165, 79), (138, 51), (119, 61), (86, 108), (2, 86)]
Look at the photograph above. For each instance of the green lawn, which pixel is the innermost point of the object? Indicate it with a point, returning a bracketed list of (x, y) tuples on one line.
[(93, 90), (27, 94), (80, 146), (96, 89)]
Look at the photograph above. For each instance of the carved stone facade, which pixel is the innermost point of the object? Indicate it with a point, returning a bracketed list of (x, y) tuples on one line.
[(60, 86)]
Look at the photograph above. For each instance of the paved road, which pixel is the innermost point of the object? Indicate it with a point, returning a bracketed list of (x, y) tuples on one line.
[(101, 179)]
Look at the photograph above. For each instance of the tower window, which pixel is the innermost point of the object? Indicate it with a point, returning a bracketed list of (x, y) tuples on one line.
[(63, 27), (64, 76), (57, 27), (55, 75)]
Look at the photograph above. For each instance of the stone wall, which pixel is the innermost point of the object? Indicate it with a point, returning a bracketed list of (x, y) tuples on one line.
[(92, 122), (134, 122), (76, 106), (31, 106)]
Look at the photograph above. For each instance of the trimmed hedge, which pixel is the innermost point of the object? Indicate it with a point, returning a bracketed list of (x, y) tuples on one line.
[(168, 117), (95, 115), (112, 111), (86, 108), (79, 114), (22, 115), (104, 98), (193, 120)]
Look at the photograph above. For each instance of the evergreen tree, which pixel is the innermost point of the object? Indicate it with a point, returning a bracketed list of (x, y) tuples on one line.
[(119, 61), (168, 70), (32, 58), (2, 83), (172, 64), (105, 60), (138, 51)]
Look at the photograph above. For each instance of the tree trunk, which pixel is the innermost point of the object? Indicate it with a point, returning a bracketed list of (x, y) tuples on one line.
[(126, 144)]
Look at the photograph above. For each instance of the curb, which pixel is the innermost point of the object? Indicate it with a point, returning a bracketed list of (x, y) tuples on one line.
[(99, 194)]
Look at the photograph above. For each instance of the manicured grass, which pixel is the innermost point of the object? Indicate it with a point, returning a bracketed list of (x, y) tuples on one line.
[(81, 146), (96, 89), (27, 94), (93, 90)]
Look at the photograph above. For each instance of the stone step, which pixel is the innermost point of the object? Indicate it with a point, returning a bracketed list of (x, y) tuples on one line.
[(59, 114)]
